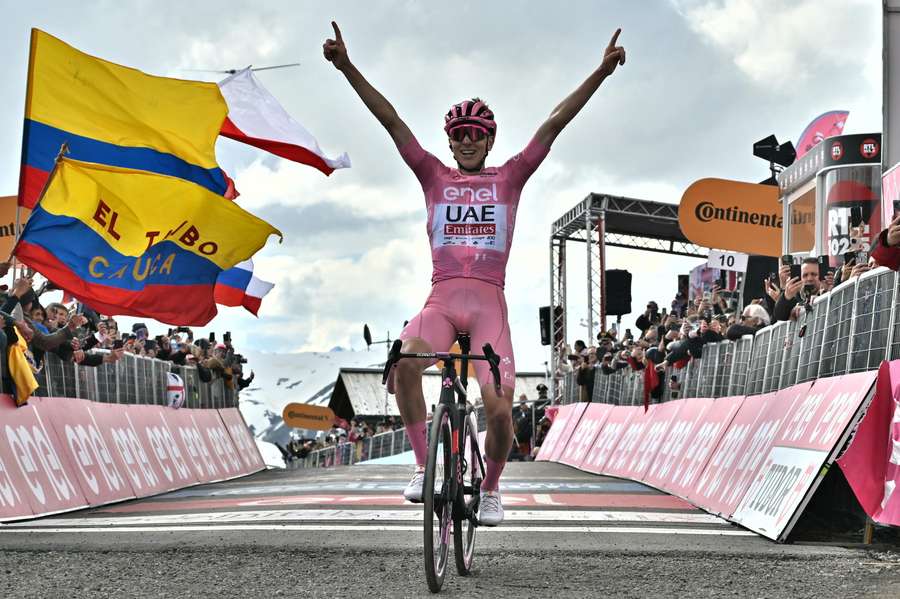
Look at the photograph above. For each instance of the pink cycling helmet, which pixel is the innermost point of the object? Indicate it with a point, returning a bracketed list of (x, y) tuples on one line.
[(472, 113)]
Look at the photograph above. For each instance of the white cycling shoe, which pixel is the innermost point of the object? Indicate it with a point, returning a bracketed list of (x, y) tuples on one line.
[(490, 509), (413, 491)]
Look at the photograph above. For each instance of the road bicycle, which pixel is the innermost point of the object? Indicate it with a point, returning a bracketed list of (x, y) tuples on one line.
[(455, 466)]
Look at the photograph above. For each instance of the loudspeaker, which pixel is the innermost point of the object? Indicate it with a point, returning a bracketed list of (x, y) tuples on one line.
[(618, 292), (547, 324), (544, 317), (758, 268)]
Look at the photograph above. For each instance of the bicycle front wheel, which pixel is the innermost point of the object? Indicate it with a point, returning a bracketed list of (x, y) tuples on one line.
[(436, 495), (472, 473)]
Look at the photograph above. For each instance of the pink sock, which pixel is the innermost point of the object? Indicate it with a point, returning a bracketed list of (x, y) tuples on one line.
[(491, 480), (418, 438)]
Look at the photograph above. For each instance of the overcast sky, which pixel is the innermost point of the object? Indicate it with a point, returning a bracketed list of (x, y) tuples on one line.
[(704, 80)]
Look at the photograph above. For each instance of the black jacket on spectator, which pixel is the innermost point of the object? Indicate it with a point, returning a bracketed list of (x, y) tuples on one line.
[(737, 330), (585, 378), (784, 306)]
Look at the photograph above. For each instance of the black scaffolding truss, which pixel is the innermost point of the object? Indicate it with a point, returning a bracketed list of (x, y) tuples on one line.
[(598, 221)]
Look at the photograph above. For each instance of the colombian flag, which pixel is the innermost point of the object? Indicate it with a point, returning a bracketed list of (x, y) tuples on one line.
[(115, 115), (137, 243)]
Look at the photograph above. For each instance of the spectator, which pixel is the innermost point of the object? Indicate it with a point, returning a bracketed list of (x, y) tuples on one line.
[(586, 373), (753, 318), (650, 317), (886, 247), (797, 289)]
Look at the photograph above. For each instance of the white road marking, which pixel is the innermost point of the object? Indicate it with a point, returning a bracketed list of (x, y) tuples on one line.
[(374, 516), (382, 528)]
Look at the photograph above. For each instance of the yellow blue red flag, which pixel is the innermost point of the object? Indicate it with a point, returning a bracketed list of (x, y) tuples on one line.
[(115, 115), (137, 243)]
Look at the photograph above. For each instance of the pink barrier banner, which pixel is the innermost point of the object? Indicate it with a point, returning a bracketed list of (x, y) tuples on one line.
[(150, 455), (584, 434), (98, 467), (251, 460), (616, 422), (872, 462), (38, 477), (690, 460), (61, 454), (636, 459), (220, 445), (792, 469), (558, 435), (731, 466), (675, 440)]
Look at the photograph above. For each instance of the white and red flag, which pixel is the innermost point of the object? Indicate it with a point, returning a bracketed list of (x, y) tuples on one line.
[(238, 286), (256, 118)]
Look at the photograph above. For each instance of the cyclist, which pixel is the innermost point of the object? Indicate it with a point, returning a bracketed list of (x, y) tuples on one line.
[(471, 216)]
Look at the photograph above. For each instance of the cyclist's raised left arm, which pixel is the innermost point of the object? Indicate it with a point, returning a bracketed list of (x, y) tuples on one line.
[(613, 56)]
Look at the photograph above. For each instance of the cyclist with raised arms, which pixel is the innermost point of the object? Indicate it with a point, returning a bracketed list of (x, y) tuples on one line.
[(471, 217)]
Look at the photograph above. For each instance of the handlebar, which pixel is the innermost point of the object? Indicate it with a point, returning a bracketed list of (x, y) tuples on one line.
[(489, 356)]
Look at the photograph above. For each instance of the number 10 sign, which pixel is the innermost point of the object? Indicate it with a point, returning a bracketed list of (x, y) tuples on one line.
[(727, 261)]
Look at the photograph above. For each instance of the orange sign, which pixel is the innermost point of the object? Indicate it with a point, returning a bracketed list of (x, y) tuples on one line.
[(732, 215), (8, 224), (458, 363), (301, 415)]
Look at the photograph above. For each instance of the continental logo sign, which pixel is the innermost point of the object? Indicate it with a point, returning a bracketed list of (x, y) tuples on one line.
[(732, 215), (301, 415)]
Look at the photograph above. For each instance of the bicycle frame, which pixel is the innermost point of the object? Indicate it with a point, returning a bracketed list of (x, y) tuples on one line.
[(455, 387)]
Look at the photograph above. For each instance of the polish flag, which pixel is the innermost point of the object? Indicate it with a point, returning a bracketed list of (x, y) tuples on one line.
[(256, 118), (238, 286)]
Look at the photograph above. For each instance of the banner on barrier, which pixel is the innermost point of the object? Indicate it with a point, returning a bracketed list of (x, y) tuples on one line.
[(98, 467), (815, 427), (713, 419), (606, 441), (584, 434), (61, 454), (563, 423), (37, 475), (243, 440), (872, 462), (637, 452)]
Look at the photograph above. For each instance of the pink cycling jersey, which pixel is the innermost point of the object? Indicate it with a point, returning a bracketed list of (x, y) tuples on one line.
[(471, 217), (470, 227)]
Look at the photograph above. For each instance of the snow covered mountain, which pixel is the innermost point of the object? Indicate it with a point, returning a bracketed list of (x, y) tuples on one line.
[(306, 377)]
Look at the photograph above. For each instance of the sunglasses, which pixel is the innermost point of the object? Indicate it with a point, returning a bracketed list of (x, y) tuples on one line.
[(474, 133)]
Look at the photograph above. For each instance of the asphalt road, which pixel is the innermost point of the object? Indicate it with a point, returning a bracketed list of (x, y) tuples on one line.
[(346, 532)]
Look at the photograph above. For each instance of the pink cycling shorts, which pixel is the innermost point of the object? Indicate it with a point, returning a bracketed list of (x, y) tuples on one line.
[(465, 305)]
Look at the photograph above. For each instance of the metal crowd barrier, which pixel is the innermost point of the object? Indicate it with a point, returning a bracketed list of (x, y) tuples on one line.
[(850, 329), (370, 448), (131, 380)]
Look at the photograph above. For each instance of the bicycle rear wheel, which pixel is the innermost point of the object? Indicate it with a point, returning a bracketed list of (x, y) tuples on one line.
[(436, 495), (472, 475)]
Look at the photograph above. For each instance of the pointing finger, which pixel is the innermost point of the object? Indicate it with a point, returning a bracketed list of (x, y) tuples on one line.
[(615, 38), (337, 31)]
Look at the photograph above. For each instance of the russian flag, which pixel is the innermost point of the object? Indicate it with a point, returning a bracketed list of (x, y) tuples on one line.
[(256, 118), (238, 286)]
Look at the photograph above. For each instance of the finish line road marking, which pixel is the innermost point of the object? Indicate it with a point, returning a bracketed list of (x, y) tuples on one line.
[(373, 516), (384, 528)]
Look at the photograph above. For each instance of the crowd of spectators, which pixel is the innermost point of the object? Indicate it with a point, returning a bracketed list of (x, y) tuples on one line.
[(357, 433), (76, 333), (672, 338)]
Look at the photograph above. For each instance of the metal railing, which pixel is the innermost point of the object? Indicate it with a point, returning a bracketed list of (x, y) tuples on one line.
[(130, 380), (850, 329)]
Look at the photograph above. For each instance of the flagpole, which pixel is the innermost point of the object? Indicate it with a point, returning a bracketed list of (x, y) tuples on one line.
[(63, 150)]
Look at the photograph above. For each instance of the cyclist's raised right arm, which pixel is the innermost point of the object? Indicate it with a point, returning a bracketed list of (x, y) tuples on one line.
[(336, 53)]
